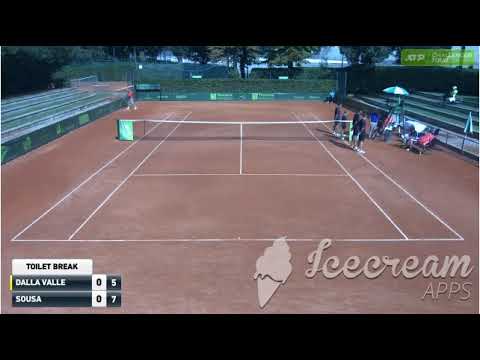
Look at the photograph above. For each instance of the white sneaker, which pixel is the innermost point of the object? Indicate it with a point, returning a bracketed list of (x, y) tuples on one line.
[(135, 108), (361, 151)]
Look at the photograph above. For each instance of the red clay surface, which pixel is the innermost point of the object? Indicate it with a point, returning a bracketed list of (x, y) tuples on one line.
[(197, 205)]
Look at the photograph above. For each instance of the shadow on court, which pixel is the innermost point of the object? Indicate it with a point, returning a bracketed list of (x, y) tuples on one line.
[(340, 144)]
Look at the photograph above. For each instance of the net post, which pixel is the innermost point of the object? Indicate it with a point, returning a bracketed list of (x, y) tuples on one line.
[(350, 131), (241, 148), (125, 130)]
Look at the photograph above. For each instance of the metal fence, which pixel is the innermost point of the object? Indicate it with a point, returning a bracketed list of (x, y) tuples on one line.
[(465, 144), (87, 80)]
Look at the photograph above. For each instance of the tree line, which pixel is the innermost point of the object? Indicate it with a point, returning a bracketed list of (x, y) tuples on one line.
[(30, 68)]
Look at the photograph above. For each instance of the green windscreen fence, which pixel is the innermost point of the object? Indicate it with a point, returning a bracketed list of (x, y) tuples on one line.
[(228, 96), (125, 130)]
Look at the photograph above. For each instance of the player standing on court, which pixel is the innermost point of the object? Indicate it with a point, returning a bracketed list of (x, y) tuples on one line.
[(131, 101), (356, 117), (361, 129), (344, 124), (336, 118)]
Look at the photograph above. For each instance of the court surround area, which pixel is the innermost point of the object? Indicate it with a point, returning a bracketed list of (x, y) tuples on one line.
[(207, 187)]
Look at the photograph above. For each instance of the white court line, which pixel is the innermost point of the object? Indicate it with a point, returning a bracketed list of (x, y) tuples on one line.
[(193, 240), (410, 195), (241, 148), (83, 78), (353, 179), (123, 88), (413, 198), (125, 180), (86, 180), (241, 174)]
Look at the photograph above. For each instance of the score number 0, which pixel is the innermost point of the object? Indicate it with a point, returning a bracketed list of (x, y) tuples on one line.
[(100, 285)]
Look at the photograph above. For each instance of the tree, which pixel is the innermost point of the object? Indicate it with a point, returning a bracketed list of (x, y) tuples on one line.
[(247, 55), (366, 55), (324, 54), (199, 54), (30, 68), (224, 53), (180, 52), (289, 55), (151, 51), (241, 55)]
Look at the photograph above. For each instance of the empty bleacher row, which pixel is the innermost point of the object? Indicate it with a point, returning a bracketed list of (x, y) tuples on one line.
[(430, 108), (20, 114)]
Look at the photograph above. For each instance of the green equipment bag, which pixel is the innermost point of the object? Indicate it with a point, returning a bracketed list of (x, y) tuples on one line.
[(125, 130)]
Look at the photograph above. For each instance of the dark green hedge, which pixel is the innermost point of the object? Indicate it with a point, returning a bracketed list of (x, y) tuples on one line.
[(368, 80), (298, 73), (151, 72), (249, 85)]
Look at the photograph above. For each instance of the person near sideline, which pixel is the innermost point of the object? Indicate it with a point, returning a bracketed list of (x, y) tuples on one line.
[(356, 117), (361, 129), (331, 96), (388, 128), (373, 123), (378, 130), (344, 124), (336, 118), (451, 97), (423, 140), (131, 101)]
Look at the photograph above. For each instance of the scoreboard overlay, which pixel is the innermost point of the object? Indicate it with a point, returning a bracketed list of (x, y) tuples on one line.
[(62, 283)]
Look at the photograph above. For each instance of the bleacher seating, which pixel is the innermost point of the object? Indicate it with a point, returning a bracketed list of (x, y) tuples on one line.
[(429, 108), (22, 113)]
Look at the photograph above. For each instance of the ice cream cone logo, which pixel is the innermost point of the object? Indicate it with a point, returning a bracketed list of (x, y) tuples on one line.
[(273, 270)]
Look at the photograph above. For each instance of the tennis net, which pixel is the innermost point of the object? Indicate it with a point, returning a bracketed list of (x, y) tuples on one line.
[(152, 129)]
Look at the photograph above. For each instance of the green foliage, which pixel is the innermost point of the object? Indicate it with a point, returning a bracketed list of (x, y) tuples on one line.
[(118, 71), (248, 85), (33, 68), (199, 54), (299, 73), (288, 55), (30, 68), (180, 52), (366, 55)]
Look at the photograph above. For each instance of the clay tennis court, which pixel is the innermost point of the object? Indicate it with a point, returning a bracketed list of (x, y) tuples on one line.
[(183, 212)]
